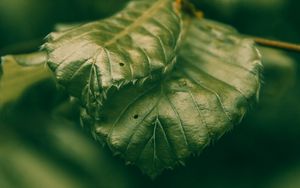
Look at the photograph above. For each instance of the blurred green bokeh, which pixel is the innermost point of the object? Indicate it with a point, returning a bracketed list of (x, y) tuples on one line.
[(43, 145), (25, 21)]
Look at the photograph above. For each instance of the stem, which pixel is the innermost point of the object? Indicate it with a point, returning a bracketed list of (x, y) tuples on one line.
[(277, 44)]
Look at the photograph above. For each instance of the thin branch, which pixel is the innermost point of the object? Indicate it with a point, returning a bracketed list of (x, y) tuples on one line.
[(277, 44)]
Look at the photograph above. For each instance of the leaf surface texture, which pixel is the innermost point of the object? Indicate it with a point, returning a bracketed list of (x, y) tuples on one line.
[(137, 44), (160, 124)]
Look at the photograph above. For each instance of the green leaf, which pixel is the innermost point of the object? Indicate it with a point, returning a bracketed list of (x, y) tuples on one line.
[(137, 44), (160, 124), (1, 70), (19, 72), (30, 59)]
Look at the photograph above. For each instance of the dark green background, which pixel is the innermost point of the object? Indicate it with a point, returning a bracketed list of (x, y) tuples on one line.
[(264, 151)]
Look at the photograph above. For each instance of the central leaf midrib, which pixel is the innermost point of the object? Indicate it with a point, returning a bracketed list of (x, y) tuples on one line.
[(147, 14)]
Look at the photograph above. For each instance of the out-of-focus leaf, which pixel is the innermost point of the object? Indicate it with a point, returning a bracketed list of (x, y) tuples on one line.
[(286, 178), (24, 167), (1, 70), (137, 44), (40, 148), (279, 74), (19, 72), (160, 124), (71, 160), (279, 101), (33, 59)]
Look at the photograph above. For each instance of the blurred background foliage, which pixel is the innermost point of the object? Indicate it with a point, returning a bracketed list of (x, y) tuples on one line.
[(43, 145)]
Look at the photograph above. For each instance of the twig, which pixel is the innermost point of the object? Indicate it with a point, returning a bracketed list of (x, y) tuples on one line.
[(277, 44)]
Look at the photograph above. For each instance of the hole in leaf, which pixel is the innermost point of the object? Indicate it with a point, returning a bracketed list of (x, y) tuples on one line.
[(136, 116), (121, 64)]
